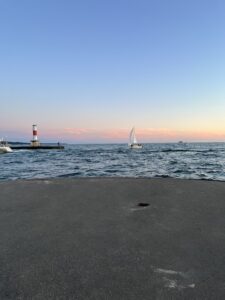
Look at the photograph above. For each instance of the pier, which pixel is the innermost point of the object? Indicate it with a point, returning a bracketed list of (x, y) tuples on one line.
[(41, 147), (112, 238), (36, 145)]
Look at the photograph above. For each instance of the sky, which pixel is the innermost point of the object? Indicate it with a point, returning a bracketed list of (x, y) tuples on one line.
[(88, 71)]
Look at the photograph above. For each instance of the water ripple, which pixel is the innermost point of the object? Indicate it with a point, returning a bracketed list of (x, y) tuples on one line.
[(204, 161)]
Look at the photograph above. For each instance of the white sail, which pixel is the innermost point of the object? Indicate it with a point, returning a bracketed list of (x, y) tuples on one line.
[(133, 139)]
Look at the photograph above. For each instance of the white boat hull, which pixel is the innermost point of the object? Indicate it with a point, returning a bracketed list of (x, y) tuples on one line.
[(5, 149), (136, 146)]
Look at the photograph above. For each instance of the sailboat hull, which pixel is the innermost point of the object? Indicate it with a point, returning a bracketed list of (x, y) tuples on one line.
[(136, 146)]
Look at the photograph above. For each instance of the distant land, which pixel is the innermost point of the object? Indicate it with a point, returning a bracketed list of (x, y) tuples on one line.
[(18, 143)]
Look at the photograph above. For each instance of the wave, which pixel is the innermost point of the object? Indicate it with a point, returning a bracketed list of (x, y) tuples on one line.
[(193, 161)]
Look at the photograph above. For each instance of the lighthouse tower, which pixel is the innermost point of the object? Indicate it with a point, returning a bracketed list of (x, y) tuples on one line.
[(35, 142)]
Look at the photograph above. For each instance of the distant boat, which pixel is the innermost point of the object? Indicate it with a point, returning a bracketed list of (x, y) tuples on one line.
[(133, 140), (180, 142), (4, 147)]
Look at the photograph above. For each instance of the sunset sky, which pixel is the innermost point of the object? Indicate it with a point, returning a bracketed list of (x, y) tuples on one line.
[(88, 71)]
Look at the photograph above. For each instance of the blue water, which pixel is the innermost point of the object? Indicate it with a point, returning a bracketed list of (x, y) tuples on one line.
[(191, 161)]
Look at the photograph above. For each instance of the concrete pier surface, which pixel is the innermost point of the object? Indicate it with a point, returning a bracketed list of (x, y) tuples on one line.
[(97, 238)]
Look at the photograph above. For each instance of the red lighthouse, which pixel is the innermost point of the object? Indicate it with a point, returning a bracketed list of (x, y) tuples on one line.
[(35, 142)]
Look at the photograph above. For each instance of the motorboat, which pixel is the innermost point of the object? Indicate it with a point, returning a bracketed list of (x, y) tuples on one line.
[(4, 147)]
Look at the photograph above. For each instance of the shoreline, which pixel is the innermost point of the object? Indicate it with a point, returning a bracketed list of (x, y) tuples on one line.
[(94, 238), (66, 177)]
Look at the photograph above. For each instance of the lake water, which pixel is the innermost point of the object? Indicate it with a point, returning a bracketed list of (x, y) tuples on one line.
[(191, 161)]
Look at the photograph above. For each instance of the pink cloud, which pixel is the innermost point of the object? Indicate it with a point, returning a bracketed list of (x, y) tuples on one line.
[(173, 135), (145, 135), (119, 135)]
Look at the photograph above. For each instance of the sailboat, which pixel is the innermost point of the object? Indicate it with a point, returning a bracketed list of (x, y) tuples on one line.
[(133, 140)]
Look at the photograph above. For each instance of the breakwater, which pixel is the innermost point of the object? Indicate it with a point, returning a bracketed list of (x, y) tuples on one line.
[(41, 147)]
